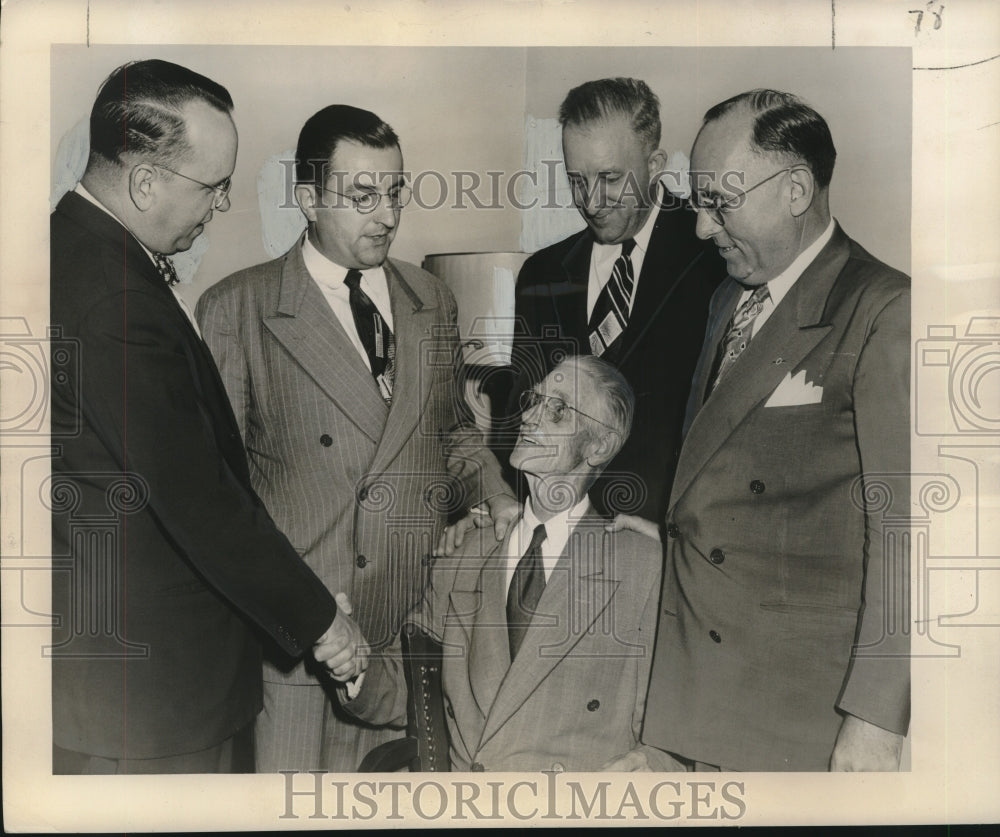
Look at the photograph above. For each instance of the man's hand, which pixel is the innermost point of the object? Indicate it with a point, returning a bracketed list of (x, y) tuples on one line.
[(636, 524), (864, 746), (503, 510), (342, 649), (634, 761)]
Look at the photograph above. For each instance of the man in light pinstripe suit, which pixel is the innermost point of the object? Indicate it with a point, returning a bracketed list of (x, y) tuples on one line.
[(341, 366)]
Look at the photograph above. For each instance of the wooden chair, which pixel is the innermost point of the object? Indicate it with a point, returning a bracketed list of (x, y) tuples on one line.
[(425, 747)]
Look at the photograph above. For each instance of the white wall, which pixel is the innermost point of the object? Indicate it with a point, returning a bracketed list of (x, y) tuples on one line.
[(464, 108)]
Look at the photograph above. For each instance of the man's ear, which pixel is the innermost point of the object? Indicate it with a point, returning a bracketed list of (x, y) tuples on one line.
[(142, 186), (305, 196), (602, 449), (803, 190), (655, 166)]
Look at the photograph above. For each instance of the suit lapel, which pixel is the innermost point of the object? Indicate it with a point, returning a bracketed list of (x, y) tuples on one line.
[(792, 331), (414, 316), (664, 267), (481, 613), (577, 593), (311, 333)]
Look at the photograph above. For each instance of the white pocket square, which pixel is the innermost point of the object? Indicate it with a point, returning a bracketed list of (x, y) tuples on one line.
[(795, 390)]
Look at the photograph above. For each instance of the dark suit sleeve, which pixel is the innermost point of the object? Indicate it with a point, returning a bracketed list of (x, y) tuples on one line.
[(877, 686), (141, 388)]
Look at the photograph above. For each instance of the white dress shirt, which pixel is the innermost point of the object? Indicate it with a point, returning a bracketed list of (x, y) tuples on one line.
[(557, 532), (83, 193), (779, 286), (604, 256), (330, 277)]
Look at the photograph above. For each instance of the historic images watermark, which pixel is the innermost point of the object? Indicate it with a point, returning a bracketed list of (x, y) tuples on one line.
[(317, 795)]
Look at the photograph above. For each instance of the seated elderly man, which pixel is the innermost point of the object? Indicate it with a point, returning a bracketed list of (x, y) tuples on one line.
[(547, 635)]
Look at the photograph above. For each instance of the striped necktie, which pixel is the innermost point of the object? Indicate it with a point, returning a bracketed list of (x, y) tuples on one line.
[(609, 318)]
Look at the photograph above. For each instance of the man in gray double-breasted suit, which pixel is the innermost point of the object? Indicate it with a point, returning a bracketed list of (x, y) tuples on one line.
[(341, 366)]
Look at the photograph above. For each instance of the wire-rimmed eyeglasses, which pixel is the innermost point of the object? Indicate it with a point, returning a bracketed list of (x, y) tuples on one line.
[(221, 189), (368, 201), (715, 206), (553, 407)]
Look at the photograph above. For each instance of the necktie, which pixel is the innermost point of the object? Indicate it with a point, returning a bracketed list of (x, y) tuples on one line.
[(611, 309), (525, 590), (739, 332), (166, 268), (380, 346)]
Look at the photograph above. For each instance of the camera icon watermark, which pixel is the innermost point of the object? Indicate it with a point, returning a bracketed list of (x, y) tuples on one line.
[(30, 367), (957, 380)]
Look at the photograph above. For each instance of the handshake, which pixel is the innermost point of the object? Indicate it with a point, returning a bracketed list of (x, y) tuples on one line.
[(342, 648)]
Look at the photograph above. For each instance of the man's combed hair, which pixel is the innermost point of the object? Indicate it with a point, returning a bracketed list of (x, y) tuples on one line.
[(322, 132), (612, 388), (605, 98), (138, 110), (786, 125)]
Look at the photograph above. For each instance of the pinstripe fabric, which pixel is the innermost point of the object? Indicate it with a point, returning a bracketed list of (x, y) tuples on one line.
[(360, 488)]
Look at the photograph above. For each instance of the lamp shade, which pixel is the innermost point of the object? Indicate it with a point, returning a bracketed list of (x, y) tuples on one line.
[(483, 285)]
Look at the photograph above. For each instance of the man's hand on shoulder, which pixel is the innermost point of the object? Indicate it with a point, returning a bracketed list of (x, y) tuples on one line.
[(862, 746), (503, 511), (635, 524)]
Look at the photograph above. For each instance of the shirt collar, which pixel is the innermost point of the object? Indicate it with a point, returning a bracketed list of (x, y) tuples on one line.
[(327, 272), (782, 283), (641, 238), (557, 528)]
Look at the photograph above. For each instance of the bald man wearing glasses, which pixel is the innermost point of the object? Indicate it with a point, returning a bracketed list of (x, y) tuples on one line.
[(547, 635), (341, 365)]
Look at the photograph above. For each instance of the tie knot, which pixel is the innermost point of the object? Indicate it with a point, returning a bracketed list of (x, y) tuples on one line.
[(628, 245), (538, 537), (166, 269), (353, 279)]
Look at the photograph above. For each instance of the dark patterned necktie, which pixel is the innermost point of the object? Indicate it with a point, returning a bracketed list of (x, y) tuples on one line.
[(739, 332), (525, 590), (611, 309), (376, 337), (166, 268)]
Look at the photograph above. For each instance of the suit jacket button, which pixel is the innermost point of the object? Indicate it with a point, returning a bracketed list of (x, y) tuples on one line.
[(757, 487), (594, 705), (326, 440), (362, 562), (715, 636), (717, 556), (672, 530), (477, 767)]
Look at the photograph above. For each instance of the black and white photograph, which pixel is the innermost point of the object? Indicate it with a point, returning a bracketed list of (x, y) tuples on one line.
[(519, 388)]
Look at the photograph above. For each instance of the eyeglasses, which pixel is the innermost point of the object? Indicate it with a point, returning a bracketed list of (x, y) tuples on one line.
[(553, 407), (714, 206), (221, 190), (368, 201)]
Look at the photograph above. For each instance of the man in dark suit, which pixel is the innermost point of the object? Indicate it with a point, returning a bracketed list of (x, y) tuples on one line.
[(342, 367), (783, 637), (164, 558), (633, 287)]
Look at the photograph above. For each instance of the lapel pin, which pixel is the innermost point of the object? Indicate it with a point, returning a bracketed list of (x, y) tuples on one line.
[(778, 361)]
